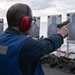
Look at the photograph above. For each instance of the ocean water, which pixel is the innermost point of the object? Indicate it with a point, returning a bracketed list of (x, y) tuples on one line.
[(43, 31)]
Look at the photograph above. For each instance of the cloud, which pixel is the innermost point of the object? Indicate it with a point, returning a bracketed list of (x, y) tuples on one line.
[(2, 12), (12, 0), (41, 4), (65, 6)]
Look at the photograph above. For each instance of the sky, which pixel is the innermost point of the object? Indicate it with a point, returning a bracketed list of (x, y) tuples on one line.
[(41, 8)]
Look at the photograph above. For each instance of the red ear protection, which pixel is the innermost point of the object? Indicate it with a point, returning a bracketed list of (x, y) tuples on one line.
[(25, 23)]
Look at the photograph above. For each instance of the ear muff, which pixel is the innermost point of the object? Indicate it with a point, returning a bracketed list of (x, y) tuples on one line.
[(25, 23)]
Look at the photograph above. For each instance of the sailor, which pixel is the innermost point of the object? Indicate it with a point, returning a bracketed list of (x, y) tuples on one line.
[(19, 53)]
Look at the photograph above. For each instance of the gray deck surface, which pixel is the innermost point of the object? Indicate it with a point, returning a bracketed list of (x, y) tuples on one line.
[(51, 71)]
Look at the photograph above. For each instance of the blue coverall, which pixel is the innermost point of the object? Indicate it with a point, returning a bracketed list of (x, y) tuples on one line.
[(29, 50)]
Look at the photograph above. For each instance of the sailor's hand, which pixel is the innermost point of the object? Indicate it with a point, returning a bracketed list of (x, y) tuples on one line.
[(63, 31)]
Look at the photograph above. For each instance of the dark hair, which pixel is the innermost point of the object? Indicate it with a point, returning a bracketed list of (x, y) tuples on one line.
[(16, 12)]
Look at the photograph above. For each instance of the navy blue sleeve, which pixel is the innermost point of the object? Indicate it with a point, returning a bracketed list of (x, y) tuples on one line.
[(34, 49)]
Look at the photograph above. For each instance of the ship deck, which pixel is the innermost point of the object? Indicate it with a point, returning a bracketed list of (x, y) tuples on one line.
[(52, 71)]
